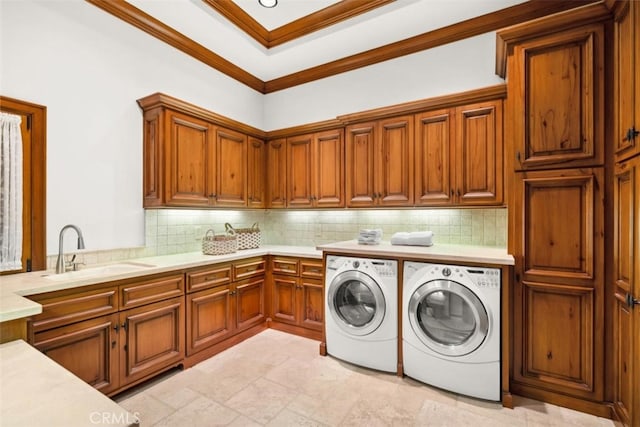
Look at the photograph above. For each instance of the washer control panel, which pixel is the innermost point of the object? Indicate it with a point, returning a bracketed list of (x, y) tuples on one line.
[(384, 268), (485, 277)]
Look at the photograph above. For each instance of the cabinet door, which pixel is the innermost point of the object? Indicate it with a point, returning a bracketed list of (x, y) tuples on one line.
[(249, 302), (231, 168), (329, 170), (152, 167), (395, 161), (151, 339), (555, 333), (557, 109), (299, 171), (311, 304), (360, 165), (558, 226), (433, 148), (209, 318), (277, 173), (256, 161), (88, 349), (190, 156), (284, 304), (626, 80), (626, 315), (478, 164)]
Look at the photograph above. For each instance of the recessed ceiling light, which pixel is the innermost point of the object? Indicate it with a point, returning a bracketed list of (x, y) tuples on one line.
[(268, 3)]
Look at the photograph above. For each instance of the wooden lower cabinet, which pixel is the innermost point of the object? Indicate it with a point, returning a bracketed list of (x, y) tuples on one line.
[(215, 315), (89, 349), (297, 296), (152, 338)]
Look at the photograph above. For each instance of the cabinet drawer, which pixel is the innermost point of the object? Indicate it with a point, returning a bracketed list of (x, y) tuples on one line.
[(249, 268), (145, 292), (311, 268), (213, 276), (59, 310), (285, 266)]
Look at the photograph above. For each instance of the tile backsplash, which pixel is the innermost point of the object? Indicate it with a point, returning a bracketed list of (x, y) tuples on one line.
[(174, 231), (170, 231)]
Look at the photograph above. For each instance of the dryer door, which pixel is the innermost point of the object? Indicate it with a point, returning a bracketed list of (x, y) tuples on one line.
[(356, 302), (448, 318)]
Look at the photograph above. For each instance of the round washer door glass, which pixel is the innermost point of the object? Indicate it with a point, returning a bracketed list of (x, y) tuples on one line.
[(356, 302), (448, 318)]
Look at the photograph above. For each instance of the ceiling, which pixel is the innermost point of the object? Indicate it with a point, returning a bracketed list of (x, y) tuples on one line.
[(299, 41)]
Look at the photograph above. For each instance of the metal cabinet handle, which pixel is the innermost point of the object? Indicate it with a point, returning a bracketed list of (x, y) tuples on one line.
[(116, 327), (631, 301), (631, 134)]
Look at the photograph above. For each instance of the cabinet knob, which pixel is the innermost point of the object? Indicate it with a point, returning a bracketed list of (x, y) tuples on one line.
[(631, 134), (631, 301), (116, 327)]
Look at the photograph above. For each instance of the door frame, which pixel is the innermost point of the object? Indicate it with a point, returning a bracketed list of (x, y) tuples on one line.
[(37, 167)]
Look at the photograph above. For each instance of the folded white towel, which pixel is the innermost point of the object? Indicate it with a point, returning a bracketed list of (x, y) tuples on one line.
[(415, 238)]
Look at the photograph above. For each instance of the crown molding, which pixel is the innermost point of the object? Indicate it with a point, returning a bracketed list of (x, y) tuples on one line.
[(150, 25), (493, 21), (323, 18)]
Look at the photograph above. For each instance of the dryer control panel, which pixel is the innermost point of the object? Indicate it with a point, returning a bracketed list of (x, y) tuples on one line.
[(485, 277)]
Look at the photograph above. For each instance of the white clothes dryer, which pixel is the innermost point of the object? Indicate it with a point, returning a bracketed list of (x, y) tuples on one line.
[(451, 327), (361, 300)]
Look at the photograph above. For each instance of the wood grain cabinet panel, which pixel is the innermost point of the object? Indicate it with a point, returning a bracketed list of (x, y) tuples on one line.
[(556, 87), (433, 151), (256, 173), (284, 304), (209, 318), (315, 170), (142, 292), (311, 294), (152, 338), (209, 277), (230, 169), (190, 154), (250, 309), (627, 80), (558, 327), (277, 173), (458, 156), (88, 349), (379, 163), (626, 288)]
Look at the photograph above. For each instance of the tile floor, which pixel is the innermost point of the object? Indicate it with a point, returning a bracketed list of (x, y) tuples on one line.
[(278, 379)]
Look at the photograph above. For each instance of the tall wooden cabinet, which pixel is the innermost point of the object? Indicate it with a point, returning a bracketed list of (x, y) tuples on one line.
[(458, 156), (379, 163), (315, 170), (625, 284), (554, 122), (256, 173), (277, 173)]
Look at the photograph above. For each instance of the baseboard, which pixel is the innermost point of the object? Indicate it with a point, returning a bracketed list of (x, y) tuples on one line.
[(296, 330)]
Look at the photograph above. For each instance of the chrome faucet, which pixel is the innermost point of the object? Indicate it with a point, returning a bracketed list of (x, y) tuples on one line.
[(60, 264)]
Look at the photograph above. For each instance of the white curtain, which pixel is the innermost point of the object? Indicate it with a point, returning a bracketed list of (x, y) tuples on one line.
[(10, 192)]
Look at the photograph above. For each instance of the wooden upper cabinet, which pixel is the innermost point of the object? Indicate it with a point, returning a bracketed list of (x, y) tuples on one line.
[(315, 170), (256, 173), (231, 169), (196, 158), (627, 80), (458, 156), (556, 97), (395, 162), (433, 152), (478, 153), (360, 165), (379, 163), (190, 156), (299, 171), (277, 173)]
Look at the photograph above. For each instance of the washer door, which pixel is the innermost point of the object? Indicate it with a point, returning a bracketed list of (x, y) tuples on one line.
[(356, 302), (448, 318)]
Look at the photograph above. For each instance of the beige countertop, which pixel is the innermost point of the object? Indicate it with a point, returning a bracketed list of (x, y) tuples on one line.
[(14, 288), (437, 252), (36, 391)]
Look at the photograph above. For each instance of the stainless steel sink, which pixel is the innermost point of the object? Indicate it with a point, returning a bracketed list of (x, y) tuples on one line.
[(105, 270)]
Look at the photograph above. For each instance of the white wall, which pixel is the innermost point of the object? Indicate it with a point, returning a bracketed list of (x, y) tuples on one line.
[(88, 68), (456, 67)]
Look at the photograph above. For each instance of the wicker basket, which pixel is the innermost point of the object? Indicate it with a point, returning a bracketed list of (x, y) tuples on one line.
[(248, 238), (220, 244)]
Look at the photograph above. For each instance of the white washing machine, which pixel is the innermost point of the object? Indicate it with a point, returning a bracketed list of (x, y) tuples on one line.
[(451, 327), (361, 300)]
